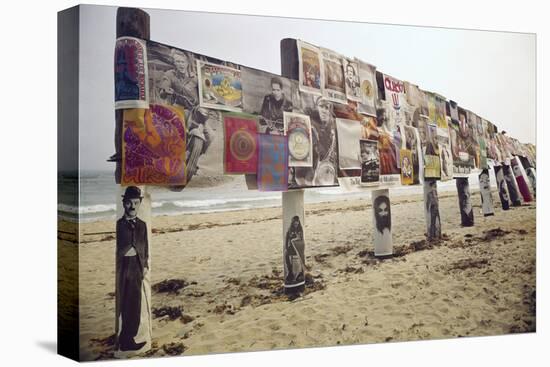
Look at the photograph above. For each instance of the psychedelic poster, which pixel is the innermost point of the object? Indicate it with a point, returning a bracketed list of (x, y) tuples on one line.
[(131, 77), (432, 163), (310, 75), (353, 85), (370, 162), (367, 78), (334, 88), (241, 145), (153, 147), (407, 170), (389, 159), (349, 133), (272, 162), (300, 142), (220, 87)]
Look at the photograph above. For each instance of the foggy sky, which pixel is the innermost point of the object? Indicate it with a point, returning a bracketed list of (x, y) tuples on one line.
[(489, 73)]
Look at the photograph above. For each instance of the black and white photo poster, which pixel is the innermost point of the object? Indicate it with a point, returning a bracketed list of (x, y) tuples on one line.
[(485, 191), (502, 190), (132, 272), (269, 96), (510, 179), (383, 243), (465, 202), (293, 240), (370, 162), (431, 206)]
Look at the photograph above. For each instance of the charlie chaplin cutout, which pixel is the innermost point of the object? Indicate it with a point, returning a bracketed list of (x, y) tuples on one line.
[(502, 190), (383, 244), (431, 202), (132, 257), (485, 191), (465, 202)]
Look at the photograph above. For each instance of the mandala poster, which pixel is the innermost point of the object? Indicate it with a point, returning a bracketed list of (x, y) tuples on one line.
[(241, 146), (272, 163), (153, 147), (333, 85), (131, 78), (220, 87), (310, 74), (300, 144), (389, 159), (367, 80)]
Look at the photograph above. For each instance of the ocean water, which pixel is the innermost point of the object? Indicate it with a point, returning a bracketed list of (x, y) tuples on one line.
[(99, 195)]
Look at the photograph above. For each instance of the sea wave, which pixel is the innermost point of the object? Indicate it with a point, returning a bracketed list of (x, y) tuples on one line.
[(166, 204), (98, 208)]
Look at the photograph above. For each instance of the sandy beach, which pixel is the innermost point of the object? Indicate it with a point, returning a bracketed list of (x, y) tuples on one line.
[(217, 279)]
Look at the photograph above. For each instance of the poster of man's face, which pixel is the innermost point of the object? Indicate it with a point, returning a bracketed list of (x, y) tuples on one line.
[(465, 202), (269, 96), (382, 213)]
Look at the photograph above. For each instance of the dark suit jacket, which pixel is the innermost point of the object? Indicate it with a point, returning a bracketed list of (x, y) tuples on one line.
[(126, 237)]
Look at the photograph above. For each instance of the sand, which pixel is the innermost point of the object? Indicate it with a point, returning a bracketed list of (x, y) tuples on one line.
[(476, 281)]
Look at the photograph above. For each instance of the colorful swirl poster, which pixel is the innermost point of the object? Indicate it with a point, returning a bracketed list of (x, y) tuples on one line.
[(272, 162), (241, 145), (153, 147)]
